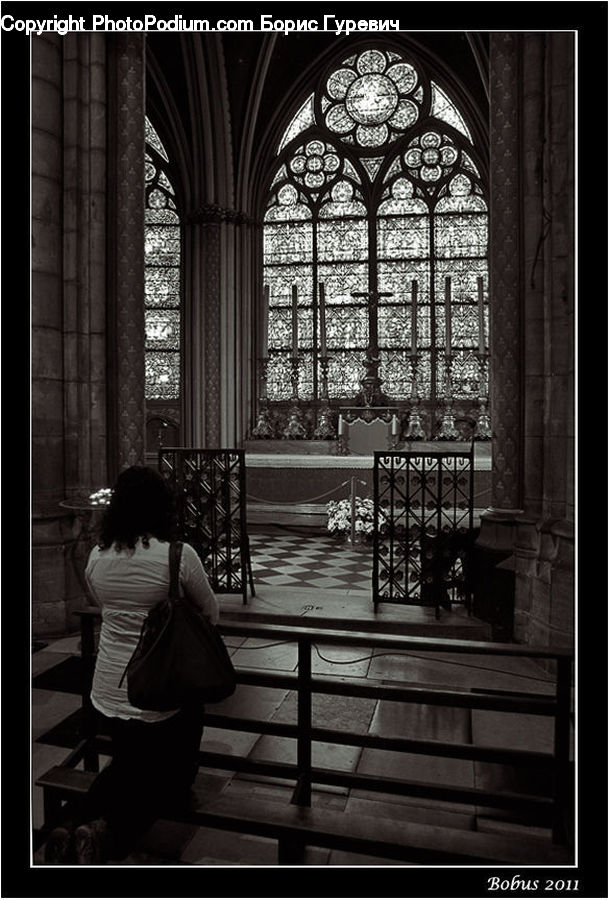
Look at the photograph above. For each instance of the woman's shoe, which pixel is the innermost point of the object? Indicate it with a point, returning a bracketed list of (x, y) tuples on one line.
[(58, 846), (84, 846), (89, 842)]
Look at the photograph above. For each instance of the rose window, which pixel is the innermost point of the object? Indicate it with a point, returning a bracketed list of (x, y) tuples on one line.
[(371, 99), (432, 159), (367, 99), (313, 164)]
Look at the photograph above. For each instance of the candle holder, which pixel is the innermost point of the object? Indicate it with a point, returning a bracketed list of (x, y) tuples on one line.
[(482, 431), (294, 376), (325, 430), (415, 431), (295, 430), (264, 428), (324, 360), (263, 365), (448, 430)]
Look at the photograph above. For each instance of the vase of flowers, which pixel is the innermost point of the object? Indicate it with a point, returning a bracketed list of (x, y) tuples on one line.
[(339, 521)]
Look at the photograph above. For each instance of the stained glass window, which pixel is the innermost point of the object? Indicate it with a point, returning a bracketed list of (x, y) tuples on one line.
[(162, 275), (376, 221)]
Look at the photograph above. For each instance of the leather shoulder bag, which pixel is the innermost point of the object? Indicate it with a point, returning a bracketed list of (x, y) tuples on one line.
[(180, 659)]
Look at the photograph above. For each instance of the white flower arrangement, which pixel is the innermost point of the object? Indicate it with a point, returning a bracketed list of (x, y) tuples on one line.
[(101, 497), (340, 516)]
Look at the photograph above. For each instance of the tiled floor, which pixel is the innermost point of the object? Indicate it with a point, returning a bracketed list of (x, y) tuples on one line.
[(56, 710), (298, 559)]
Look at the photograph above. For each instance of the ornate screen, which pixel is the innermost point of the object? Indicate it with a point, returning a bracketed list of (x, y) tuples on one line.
[(210, 491), (423, 528)]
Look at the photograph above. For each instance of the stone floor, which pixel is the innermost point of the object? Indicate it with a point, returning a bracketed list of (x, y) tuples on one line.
[(56, 708)]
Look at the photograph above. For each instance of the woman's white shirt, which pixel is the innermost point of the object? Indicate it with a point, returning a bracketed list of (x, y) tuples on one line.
[(126, 584)]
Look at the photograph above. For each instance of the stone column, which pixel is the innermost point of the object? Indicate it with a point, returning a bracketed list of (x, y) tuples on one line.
[(494, 588), (48, 564), (126, 372), (535, 231), (558, 491), (544, 549), (213, 310), (84, 262), (68, 313), (202, 325), (506, 271), (526, 540)]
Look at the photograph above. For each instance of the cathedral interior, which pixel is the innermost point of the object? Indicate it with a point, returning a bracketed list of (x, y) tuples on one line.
[(319, 259)]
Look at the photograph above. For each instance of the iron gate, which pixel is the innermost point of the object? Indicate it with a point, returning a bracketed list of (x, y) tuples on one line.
[(423, 528), (210, 491)]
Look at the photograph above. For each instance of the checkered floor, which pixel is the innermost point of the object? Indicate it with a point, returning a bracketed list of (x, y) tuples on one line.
[(302, 560)]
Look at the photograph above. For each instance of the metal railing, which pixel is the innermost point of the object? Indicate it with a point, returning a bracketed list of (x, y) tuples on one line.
[(549, 810)]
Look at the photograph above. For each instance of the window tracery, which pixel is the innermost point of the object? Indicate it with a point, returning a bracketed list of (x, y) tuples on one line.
[(376, 189), (162, 317)]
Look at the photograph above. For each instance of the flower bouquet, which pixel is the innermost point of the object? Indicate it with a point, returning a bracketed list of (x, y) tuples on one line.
[(101, 497), (339, 514)]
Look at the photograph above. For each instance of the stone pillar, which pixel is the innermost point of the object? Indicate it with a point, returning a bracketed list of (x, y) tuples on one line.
[(202, 324), (84, 262), (505, 270), (48, 564), (494, 587), (213, 311), (126, 373), (68, 312), (558, 495), (526, 540), (544, 549), (47, 272), (535, 228)]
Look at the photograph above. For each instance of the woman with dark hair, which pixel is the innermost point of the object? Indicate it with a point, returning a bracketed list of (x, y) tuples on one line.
[(154, 754)]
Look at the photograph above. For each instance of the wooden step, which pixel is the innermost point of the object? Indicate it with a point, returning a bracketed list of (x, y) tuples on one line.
[(67, 781), (295, 827), (398, 620), (406, 841)]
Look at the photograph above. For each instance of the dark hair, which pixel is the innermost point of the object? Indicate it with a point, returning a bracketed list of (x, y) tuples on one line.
[(141, 506)]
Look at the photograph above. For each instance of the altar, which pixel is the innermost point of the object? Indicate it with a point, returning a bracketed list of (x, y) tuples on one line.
[(290, 482)]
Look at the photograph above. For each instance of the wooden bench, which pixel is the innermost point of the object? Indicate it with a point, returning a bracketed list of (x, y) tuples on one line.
[(296, 827)]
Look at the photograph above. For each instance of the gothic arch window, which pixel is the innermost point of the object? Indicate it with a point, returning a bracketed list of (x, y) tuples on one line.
[(162, 276), (375, 241)]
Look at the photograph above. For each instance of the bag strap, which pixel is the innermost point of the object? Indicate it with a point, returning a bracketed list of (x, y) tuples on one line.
[(175, 554)]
